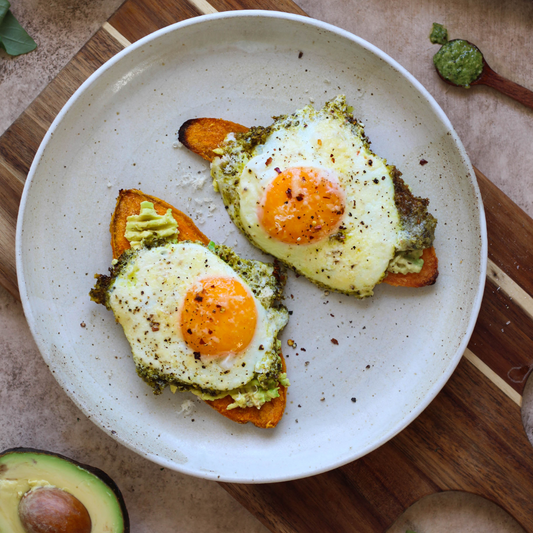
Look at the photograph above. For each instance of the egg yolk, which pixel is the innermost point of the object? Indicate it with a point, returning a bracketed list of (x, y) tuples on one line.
[(218, 316), (301, 205)]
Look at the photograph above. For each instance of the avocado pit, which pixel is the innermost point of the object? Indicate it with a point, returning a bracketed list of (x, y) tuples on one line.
[(51, 509)]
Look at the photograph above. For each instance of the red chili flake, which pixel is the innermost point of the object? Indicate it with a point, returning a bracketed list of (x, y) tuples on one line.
[(335, 341), (277, 170), (268, 161), (198, 298), (300, 55), (300, 197), (423, 162), (288, 192), (82, 324)]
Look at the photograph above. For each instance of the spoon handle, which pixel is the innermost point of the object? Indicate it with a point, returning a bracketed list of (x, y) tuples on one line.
[(508, 87)]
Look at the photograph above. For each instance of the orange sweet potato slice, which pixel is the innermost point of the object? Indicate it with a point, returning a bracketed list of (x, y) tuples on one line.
[(427, 276), (203, 135), (129, 203)]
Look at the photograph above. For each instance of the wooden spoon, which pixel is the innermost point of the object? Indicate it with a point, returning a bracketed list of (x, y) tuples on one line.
[(492, 79)]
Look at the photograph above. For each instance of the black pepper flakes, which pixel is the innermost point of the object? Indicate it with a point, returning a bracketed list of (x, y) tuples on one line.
[(354, 400), (423, 162)]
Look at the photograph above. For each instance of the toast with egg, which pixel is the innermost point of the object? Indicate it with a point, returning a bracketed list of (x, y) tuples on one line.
[(129, 206), (319, 189)]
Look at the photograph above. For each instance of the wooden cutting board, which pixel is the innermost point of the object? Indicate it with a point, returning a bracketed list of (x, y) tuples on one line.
[(471, 436)]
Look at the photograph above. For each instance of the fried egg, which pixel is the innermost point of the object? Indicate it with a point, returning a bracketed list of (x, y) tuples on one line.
[(309, 191), (192, 320)]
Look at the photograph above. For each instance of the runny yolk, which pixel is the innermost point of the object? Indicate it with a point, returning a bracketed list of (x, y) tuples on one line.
[(218, 316), (302, 205)]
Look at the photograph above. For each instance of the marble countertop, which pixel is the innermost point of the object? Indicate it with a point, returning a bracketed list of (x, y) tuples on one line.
[(495, 130)]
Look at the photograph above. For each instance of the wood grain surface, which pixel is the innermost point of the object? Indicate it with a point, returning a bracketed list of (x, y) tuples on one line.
[(470, 437)]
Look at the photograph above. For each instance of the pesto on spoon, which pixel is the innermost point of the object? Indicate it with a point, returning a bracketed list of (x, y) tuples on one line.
[(462, 64), (458, 60)]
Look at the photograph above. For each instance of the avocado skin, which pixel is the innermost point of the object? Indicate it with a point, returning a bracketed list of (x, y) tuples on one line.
[(91, 469)]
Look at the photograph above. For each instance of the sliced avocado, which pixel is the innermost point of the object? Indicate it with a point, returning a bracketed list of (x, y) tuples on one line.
[(25, 469)]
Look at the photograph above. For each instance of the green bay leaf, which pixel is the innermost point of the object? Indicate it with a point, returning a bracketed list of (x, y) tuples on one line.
[(13, 37), (4, 8)]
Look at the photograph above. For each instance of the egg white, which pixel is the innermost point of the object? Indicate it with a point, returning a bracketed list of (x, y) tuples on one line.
[(370, 224), (146, 298)]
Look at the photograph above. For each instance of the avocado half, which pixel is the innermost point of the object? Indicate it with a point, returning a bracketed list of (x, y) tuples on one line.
[(25, 469)]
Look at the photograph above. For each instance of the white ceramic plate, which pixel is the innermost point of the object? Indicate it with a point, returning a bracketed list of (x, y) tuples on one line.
[(395, 351)]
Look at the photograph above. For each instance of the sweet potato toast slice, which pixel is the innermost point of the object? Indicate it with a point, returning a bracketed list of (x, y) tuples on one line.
[(203, 135), (427, 276), (129, 203)]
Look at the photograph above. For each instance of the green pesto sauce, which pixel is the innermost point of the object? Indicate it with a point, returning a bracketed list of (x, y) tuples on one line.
[(457, 61), (439, 34)]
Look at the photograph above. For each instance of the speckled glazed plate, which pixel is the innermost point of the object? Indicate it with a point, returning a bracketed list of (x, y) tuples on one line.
[(392, 353)]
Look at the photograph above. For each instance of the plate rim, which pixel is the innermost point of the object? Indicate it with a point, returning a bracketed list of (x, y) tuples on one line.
[(432, 392)]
